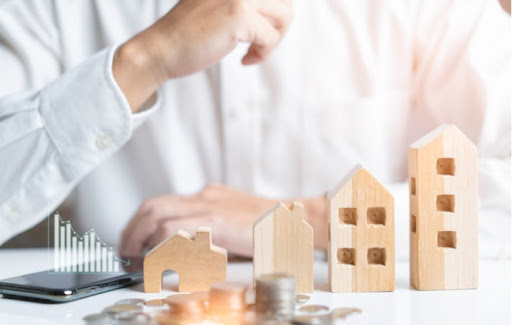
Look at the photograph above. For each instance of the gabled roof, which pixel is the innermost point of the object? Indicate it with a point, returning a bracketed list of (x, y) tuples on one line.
[(279, 205), (351, 174), (431, 136), (344, 181), (182, 234)]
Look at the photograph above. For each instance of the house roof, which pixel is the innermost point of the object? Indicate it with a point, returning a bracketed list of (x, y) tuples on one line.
[(186, 236), (351, 174), (344, 181), (260, 219), (275, 207), (431, 136)]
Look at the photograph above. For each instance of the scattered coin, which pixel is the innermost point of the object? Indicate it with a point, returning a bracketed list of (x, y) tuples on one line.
[(164, 318), (201, 295), (130, 301), (314, 309), (115, 309), (301, 299), (343, 313), (156, 303), (324, 319), (132, 318), (101, 318)]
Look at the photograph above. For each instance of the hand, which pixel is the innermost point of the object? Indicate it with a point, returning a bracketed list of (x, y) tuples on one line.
[(229, 212), (194, 35)]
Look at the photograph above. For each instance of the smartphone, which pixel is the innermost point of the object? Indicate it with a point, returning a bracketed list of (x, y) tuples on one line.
[(59, 287)]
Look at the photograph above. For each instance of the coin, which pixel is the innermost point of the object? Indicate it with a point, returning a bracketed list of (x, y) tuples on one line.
[(102, 318), (131, 301), (314, 309), (201, 295), (301, 299), (186, 304), (227, 297), (343, 313), (275, 296), (132, 317), (156, 303), (312, 319), (115, 309)]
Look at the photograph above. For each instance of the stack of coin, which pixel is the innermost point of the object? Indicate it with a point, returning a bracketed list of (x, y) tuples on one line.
[(227, 303), (186, 306), (227, 297), (275, 296)]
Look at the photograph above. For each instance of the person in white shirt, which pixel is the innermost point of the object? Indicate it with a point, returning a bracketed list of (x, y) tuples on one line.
[(351, 81)]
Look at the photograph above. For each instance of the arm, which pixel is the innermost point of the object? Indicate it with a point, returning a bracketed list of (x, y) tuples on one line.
[(57, 126)]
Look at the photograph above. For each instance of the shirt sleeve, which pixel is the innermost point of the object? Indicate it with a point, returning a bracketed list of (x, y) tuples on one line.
[(55, 126), (462, 65)]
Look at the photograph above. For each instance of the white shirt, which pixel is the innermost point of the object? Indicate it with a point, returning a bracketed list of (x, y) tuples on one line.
[(352, 81)]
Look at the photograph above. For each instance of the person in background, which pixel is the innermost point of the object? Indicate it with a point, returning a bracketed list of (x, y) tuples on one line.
[(155, 116)]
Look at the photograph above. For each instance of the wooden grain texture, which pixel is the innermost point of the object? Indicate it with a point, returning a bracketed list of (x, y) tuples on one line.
[(283, 242), (199, 264), (361, 250), (443, 181)]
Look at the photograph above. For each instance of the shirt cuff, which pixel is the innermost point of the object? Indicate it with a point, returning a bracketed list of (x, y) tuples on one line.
[(87, 115)]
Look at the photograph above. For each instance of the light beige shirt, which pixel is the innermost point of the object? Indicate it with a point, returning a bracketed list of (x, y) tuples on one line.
[(352, 81)]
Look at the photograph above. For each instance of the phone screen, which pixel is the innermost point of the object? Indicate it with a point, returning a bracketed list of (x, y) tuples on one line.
[(54, 286)]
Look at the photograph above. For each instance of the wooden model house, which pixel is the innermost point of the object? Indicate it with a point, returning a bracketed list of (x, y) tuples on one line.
[(198, 263), (361, 234), (443, 183), (283, 243)]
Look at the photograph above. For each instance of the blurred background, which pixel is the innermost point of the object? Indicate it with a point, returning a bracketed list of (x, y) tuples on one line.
[(37, 236)]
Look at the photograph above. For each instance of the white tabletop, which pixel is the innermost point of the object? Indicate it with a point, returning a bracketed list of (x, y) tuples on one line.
[(490, 304)]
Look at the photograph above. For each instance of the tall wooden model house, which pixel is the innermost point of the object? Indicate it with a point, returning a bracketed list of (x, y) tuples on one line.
[(361, 234), (443, 182), (283, 243)]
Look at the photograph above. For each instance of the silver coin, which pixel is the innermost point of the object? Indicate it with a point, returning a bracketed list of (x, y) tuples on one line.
[(132, 301), (301, 299), (156, 303), (342, 313), (116, 309), (314, 309), (100, 318), (96, 317), (312, 319), (132, 317), (275, 296)]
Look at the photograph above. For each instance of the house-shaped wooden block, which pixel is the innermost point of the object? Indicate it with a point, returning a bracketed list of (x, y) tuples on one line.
[(283, 243), (361, 234), (443, 183), (198, 263)]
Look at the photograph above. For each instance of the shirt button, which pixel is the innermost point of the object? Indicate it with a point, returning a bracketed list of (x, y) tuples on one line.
[(104, 141)]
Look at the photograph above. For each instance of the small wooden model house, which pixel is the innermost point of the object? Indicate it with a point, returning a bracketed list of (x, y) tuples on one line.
[(361, 234), (198, 263), (443, 183), (283, 243)]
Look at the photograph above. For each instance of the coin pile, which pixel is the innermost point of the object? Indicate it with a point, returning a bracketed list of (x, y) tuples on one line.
[(124, 312), (275, 297), (225, 303), (227, 297)]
